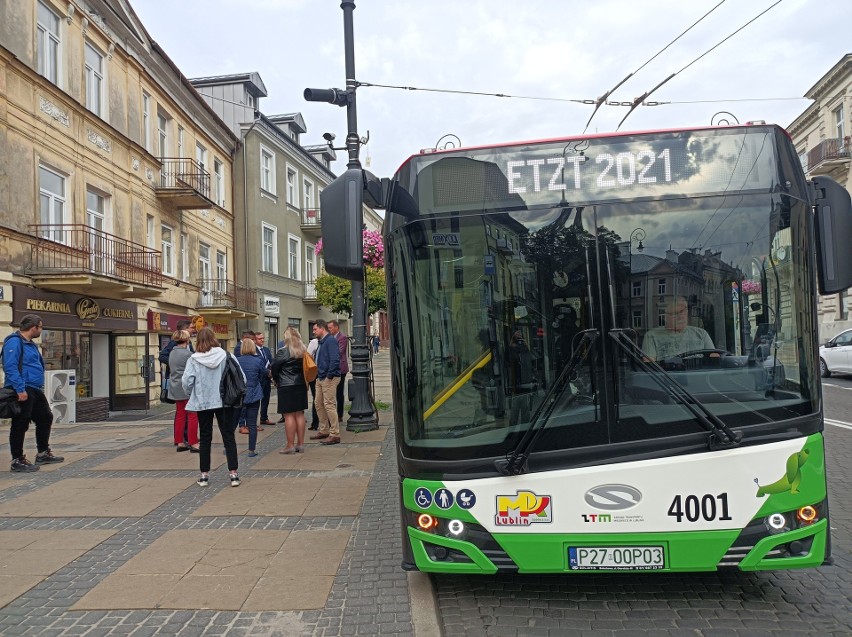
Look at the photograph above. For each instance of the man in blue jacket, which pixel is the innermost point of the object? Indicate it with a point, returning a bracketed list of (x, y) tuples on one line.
[(328, 376), (24, 370)]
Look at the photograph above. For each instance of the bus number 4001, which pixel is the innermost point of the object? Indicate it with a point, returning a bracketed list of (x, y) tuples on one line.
[(693, 508)]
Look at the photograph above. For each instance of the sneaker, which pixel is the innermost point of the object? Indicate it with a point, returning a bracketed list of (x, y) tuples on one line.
[(47, 457), (22, 465), (203, 481), (252, 453), (235, 480)]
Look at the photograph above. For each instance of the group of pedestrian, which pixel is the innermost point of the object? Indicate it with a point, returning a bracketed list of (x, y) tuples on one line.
[(194, 375)]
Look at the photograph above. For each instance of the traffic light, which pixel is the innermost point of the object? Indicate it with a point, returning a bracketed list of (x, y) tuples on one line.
[(342, 225)]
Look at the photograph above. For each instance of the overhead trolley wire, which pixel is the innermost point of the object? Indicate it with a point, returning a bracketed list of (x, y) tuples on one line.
[(638, 101), (604, 97)]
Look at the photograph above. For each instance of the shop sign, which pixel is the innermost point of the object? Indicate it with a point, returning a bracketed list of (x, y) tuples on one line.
[(73, 311), (220, 329), (162, 322), (271, 305)]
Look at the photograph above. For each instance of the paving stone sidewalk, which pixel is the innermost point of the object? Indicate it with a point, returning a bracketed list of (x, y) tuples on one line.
[(119, 540)]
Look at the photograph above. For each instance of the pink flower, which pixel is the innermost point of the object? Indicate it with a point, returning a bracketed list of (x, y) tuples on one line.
[(374, 249)]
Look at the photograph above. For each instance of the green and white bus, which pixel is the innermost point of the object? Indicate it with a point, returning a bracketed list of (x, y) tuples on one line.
[(604, 351)]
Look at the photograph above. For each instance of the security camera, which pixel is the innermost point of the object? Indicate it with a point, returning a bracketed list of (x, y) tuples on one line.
[(329, 137)]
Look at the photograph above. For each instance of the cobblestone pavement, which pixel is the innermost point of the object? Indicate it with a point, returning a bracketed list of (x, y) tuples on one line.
[(369, 594), (784, 603)]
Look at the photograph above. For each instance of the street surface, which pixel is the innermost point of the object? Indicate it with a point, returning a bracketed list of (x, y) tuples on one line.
[(781, 604)]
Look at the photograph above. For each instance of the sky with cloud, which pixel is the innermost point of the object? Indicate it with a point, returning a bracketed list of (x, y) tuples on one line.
[(555, 49)]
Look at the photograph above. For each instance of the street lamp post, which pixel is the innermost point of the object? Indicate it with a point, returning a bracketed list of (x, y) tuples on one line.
[(638, 234)]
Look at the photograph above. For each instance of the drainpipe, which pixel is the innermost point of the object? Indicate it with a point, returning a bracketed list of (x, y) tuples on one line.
[(242, 146)]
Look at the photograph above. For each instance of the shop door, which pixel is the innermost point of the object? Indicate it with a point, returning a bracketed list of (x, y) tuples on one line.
[(131, 371)]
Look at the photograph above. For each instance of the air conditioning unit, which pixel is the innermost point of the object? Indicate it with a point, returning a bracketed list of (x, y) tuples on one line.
[(60, 387)]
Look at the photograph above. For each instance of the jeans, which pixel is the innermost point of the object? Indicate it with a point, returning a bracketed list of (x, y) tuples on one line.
[(250, 410), (34, 408), (226, 419), (264, 402)]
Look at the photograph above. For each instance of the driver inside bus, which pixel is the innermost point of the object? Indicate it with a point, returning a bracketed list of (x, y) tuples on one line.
[(678, 336)]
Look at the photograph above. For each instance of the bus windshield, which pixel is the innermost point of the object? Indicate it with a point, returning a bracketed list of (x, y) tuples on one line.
[(691, 245)]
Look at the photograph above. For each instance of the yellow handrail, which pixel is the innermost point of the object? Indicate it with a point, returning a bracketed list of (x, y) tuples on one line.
[(451, 389)]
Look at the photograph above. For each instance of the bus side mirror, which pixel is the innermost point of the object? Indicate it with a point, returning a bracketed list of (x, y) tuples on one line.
[(833, 228), (342, 222)]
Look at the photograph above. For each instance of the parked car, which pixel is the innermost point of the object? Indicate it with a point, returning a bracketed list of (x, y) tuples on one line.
[(836, 355)]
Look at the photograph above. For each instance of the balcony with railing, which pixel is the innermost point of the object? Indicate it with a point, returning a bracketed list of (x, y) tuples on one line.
[(828, 155), (310, 295), (220, 297), (184, 183), (311, 222), (79, 259)]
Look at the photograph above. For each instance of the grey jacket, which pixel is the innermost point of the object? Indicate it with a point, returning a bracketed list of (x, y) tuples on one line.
[(201, 379), (177, 363)]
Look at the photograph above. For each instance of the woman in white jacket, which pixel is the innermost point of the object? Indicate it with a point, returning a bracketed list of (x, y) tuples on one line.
[(201, 380)]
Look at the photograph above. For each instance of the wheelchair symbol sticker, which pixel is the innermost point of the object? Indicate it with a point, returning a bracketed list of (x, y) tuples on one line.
[(423, 497), (465, 499), (444, 498)]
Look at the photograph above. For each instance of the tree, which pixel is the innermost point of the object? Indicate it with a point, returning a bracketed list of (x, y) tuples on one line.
[(336, 293)]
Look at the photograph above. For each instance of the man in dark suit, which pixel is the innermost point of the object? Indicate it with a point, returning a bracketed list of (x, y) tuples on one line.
[(265, 355)]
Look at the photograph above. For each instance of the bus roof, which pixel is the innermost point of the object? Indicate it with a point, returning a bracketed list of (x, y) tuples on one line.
[(576, 138)]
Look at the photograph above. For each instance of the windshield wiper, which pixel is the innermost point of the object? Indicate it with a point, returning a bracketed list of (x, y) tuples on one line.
[(516, 462), (721, 436)]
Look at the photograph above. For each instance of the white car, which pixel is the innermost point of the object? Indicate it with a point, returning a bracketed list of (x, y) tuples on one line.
[(836, 355)]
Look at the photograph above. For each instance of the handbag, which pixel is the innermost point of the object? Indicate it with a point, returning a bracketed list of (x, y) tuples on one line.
[(164, 392), (9, 404), (232, 387), (309, 368)]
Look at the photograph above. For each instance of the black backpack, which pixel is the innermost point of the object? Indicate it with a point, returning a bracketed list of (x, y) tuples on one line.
[(233, 385)]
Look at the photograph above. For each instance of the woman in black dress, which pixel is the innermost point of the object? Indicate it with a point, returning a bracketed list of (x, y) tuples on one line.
[(292, 390)]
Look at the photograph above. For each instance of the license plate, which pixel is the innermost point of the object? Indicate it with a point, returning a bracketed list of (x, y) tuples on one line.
[(616, 558)]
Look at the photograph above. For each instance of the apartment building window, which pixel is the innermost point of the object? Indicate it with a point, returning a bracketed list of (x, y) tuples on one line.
[(180, 142), (661, 286), (295, 323), (167, 243), (293, 249), (637, 319), (184, 257), (267, 170), (95, 210), (637, 288), (269, 241), (146, 121), (844, 305), (200, 154), (163, 134), (205, 273), (219, 175), (308, 193), (49, 43), (661, 316), (803, 159), (292, 198), (839, 126), (94, 80), (221, 271), (310, 263), (149, 231), (52, 203)]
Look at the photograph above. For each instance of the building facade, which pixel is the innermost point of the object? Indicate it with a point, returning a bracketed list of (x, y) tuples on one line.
[(278, 182), (822, 137), (116, 204)]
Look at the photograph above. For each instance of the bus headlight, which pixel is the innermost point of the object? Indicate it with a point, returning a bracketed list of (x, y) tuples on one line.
[(807, 515), (456, 527), (776, 522), (426, 522)]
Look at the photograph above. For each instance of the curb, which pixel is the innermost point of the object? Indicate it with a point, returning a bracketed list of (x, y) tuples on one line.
[(424, 608)]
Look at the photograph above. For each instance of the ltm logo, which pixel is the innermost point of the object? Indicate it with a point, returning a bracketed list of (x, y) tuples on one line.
[(597, 517)]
